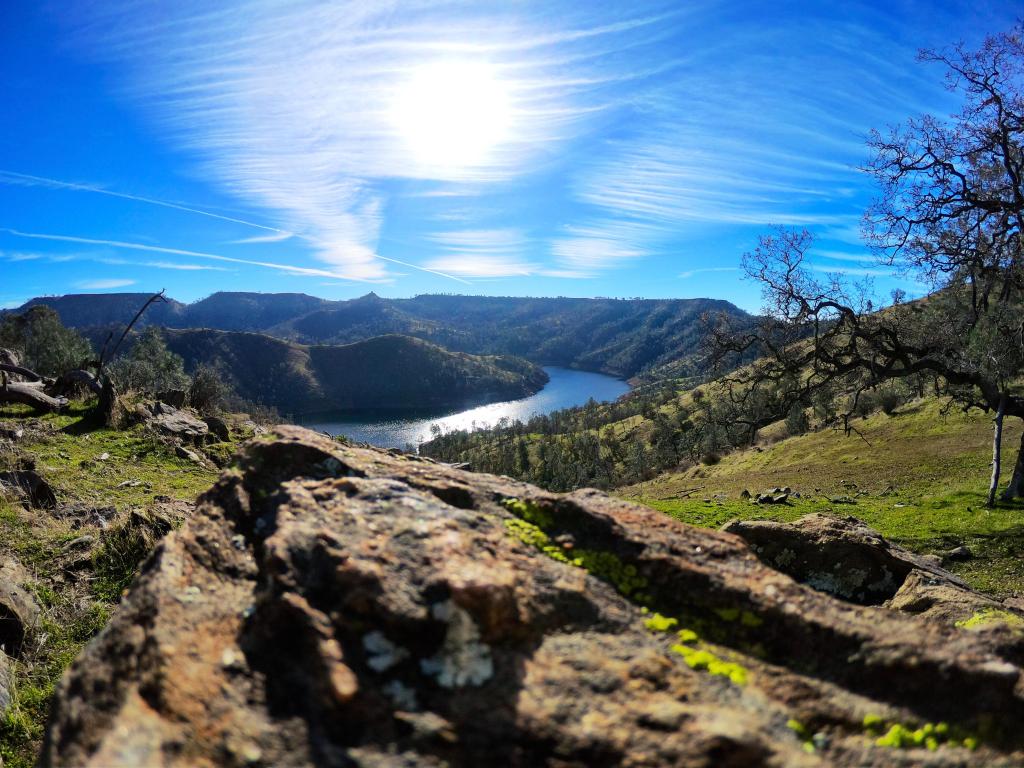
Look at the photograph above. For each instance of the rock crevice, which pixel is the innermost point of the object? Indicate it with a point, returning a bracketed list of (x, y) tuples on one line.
[(333, 605)]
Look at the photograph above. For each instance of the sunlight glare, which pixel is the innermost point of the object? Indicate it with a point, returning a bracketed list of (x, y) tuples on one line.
[(452, 115)]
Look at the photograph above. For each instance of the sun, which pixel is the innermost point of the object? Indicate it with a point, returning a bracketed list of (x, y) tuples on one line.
[(452, 115)]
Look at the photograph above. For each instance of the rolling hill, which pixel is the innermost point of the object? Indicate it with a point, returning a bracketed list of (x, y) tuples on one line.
[(383, 373), (622, 337)]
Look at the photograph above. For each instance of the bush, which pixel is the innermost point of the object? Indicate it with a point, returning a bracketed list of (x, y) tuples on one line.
[(43, 343), (149, 367), (209, 391), (892, 396)]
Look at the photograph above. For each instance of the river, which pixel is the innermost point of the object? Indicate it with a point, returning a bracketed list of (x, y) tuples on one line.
[(390, 429)]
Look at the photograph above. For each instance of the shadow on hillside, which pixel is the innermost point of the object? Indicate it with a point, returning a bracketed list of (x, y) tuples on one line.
[(90, 421)]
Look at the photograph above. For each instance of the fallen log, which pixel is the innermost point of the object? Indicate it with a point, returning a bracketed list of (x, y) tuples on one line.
[(31, 393), (66, 381), (19, 370)]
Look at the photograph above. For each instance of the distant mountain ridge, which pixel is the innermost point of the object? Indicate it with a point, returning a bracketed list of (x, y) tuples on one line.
[(621, 337)]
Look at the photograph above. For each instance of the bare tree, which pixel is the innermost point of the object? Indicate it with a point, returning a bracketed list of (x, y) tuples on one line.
[(951, 215)]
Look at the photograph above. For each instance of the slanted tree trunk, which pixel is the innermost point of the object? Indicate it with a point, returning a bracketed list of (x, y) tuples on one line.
[(1015, 489), (997, 442)]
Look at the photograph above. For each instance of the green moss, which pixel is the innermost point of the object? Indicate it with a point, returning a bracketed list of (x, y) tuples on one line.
[(749, 619), (528, 527), (929, 736), (705, 660), (530, 534), (803, 733), (659, 623), (687, 636), (529, 511), (988, 617)]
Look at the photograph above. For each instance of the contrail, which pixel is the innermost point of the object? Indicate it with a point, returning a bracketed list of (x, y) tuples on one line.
[(24, 177), (283, 234), (179, 252)]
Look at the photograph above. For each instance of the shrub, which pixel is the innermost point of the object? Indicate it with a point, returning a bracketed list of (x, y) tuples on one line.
[(43, 343), (209, 391), (149, 367)]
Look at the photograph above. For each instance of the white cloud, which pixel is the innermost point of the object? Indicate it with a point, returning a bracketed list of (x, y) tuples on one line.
[(24, 179), (290, 105), (277, 237), (482, 266), (691, 272), (103, 285), (286, 268)]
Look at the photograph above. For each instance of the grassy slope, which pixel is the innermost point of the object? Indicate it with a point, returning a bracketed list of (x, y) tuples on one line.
[(75, 604), (921, 481)]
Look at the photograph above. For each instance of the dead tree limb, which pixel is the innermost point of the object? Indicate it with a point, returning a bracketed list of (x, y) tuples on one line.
[(19, 370), (29, 393), (151, 300)]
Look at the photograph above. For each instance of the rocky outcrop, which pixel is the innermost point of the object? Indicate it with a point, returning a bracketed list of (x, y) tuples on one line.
[(332, 605), (840, 556), (175, 423)]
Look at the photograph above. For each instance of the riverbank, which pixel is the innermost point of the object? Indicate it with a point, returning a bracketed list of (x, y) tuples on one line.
[(394, 429)]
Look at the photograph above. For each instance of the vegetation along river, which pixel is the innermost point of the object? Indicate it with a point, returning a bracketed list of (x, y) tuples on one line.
[(390, 429)]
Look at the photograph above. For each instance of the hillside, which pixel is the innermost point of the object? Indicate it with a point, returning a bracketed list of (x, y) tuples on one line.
[(918, 476), (622, 337), (385, 372)]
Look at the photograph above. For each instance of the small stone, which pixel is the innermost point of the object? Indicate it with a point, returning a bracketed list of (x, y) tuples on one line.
[(959, 554)]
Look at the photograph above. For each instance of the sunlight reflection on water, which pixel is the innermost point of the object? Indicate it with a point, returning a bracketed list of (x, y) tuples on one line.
[(388, 430)]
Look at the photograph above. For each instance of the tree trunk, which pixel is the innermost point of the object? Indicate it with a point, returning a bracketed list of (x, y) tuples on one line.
[(997, 443), (1016, 487), (27, 394)]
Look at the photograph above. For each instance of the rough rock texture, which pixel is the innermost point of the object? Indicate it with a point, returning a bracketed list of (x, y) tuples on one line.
[(843, 557), (18, 610), (6, 695), (179, 424), (218, 427), (340, 606), (30, 486)]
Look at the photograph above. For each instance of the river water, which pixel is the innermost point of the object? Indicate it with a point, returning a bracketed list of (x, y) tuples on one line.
[(391, 429)]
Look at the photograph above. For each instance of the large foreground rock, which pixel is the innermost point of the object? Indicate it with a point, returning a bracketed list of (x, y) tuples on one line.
[(339, 606)]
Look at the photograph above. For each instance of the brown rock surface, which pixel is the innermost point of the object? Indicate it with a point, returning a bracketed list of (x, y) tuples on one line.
[(840, 556), (339, 606), (18, 609)]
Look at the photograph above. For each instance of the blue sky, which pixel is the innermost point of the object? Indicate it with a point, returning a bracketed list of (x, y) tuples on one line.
[(513, 148)]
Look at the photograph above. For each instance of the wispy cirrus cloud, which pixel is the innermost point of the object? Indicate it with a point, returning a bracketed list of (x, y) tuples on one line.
[(691, 272), (286, 268), (104, 284), (485, 253), (290, 106), (24, 179)]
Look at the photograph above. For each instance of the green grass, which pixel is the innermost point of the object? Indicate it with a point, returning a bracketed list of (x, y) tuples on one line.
[(66, 449), (918, 477)]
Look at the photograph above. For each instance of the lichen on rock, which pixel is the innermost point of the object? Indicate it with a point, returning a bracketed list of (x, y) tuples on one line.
[(347, 606)]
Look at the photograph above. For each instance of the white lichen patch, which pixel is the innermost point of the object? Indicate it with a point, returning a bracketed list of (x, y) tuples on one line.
[(463, 659), (383, 654)]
